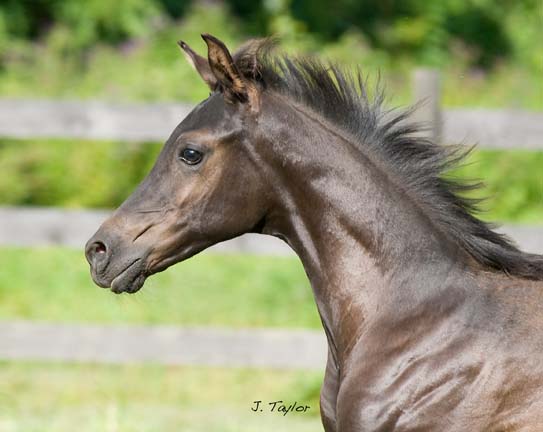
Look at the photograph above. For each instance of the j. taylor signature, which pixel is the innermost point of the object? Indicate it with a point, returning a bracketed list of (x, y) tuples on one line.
[(279, 406)]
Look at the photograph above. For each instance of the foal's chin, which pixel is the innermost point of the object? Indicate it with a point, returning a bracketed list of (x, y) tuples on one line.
[(133, 277), (129, 279)]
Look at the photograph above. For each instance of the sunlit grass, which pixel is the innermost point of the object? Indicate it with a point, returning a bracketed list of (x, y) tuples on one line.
[(241, 291), (57, 397)]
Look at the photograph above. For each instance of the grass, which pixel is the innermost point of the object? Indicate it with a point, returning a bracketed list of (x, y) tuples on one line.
[(57, 397), (53, 284)]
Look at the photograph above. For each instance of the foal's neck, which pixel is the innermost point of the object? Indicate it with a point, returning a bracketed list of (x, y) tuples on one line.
[(366, 246)]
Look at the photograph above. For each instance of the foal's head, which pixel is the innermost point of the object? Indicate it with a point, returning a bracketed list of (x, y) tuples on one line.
[(225, 169), (203, 189)]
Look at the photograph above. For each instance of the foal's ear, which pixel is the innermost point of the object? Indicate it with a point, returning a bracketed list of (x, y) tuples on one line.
[(222, 65), (200, 64)]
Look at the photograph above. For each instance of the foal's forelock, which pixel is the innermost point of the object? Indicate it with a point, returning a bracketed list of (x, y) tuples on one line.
[(421, 165)]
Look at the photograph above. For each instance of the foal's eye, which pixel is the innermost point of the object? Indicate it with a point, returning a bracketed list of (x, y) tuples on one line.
[(191, 156)]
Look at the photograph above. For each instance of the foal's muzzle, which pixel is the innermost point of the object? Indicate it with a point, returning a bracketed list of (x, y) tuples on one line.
[(114, 266)]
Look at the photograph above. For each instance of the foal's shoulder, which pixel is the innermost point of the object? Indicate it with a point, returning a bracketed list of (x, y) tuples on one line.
[(513, 306)]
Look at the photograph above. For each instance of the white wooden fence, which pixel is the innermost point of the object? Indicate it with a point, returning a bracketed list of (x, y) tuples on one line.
[(502, 129)]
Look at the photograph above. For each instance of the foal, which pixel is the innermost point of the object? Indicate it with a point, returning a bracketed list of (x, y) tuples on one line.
[(433, 320)]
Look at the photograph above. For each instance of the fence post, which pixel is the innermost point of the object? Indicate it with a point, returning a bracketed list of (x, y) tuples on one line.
[(427, 93)]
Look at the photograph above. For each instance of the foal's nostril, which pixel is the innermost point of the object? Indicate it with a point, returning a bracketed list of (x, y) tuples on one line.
[(99, 248), (96, 252)]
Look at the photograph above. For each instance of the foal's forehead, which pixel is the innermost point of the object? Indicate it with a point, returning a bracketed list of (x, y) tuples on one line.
[(210, 114)]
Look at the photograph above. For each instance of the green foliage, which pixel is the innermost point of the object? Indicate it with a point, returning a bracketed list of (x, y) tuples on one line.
[(147, 68), (87, 21), (140, 61), (105, 20), (524, 25), (103, 174), (513, 184), (489, 30), (72, 174)]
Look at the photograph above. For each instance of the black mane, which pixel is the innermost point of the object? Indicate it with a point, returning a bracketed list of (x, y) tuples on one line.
[(341, 98)]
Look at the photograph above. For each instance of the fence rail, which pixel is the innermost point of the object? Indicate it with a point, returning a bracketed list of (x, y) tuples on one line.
[(270, 348), (89, 120), (24, 226), (505, 129), (30, 227)]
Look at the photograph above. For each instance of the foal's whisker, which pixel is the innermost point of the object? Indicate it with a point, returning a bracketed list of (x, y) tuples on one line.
[(143, 231), (151, 211)]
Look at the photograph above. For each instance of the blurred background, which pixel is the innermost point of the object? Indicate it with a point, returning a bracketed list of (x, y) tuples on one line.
[(60, 55)]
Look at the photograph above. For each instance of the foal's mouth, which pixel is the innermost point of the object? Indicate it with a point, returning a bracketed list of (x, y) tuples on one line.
[(131, 279)]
